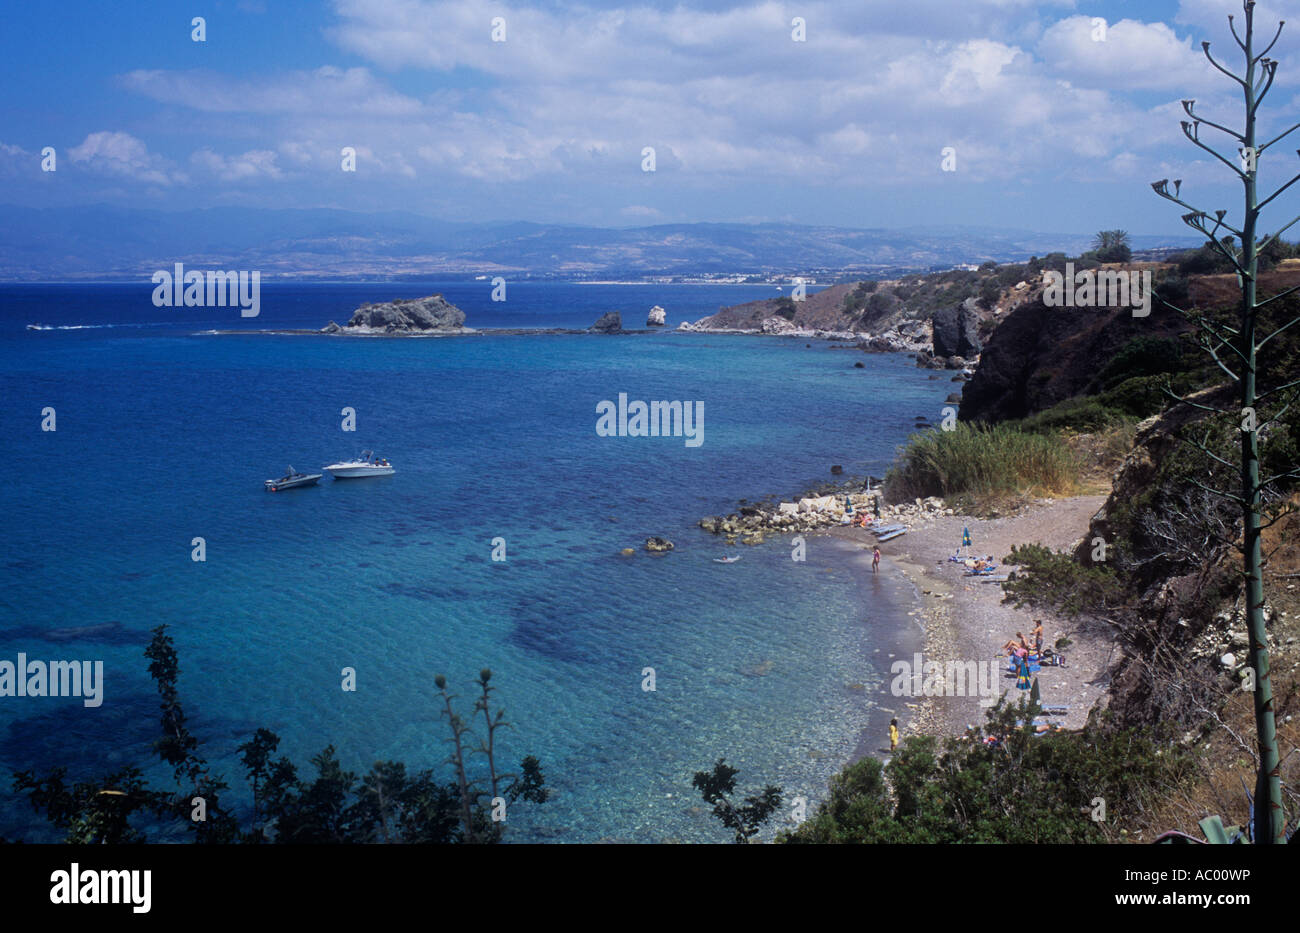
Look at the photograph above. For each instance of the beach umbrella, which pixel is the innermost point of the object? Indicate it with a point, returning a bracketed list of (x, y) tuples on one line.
[(1033, 692), (965, 536)]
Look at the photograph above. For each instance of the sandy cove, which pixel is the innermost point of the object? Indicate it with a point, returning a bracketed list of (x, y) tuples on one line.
[(965, 619)]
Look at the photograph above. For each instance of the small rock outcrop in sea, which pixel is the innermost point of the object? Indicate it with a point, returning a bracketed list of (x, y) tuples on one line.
[(611, 322), (405, 316), (656, 317), (956, 330), (658, 544)]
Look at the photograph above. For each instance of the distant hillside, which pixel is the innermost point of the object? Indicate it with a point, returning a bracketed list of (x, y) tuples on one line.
[(102, 242), (877, 306)]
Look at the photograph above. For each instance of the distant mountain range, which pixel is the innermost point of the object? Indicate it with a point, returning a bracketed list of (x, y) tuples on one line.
[(116, 243)]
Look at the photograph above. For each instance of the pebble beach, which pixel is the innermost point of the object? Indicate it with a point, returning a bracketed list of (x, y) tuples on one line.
[(964, 618)]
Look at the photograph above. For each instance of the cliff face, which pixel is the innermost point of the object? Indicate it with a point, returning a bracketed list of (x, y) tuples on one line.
[(956, 330), (405, 316), (1039, 356)]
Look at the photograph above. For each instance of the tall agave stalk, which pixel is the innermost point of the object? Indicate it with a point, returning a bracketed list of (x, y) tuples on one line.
[(1236, 349)]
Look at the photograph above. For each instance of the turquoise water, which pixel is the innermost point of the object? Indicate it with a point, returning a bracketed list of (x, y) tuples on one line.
[(163, 436)]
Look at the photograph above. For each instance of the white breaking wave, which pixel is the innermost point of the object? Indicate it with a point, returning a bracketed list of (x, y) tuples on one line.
[(92, 326)]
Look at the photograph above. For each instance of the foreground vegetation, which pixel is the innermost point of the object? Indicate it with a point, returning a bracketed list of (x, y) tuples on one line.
[(1096, 785), (388, 804), (983, 461)]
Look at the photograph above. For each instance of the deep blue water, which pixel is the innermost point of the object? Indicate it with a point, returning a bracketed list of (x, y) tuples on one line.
[(163, 435)]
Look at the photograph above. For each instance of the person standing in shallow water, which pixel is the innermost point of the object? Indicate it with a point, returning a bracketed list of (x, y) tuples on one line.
[(893, 734), (875, 559)]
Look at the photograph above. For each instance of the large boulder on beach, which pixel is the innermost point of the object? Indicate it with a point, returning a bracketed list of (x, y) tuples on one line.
[(611, 322), (656, 317), (430, 315)]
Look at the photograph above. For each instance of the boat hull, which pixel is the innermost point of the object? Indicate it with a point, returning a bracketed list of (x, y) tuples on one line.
[(276, 486), (354, 471)]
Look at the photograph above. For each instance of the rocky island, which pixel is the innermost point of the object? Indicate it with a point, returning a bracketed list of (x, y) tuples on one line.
[(431, 316)]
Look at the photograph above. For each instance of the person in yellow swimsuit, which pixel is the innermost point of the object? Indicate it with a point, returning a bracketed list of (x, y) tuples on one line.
[(893, 734)]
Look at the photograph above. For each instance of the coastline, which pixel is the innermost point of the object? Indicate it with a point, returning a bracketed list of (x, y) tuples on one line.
[(549, 331), (964, 618), (899, 641)]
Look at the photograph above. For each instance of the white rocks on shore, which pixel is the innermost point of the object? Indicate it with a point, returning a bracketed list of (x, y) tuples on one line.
[(813, 513)]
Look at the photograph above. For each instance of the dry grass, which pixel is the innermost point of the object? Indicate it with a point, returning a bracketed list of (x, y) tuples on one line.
[(1100, 454), (1228, 741)]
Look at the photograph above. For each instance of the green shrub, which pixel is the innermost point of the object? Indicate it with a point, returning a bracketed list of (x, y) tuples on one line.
[(1142, 356), (1056, 580), (1207, 260), (1082, 414), (1173, 288), (989, 293), (1012, 275), (1025, 789)]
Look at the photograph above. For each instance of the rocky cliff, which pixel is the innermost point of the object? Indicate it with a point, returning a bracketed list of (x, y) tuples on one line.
[(956, 330), (1038, 356)]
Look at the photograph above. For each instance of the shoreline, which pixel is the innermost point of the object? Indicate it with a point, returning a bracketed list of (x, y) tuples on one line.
[(542, 331), (899, 642), (964, 619)]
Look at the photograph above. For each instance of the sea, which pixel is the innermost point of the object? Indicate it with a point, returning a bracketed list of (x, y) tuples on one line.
[(136, 440)]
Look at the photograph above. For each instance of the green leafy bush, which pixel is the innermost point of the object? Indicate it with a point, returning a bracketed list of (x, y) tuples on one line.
[(1054, 579), (1025, 789), (1142, 356), (1074, 414)]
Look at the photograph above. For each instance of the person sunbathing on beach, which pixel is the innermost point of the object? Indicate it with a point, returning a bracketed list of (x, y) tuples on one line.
[(1038, 636)]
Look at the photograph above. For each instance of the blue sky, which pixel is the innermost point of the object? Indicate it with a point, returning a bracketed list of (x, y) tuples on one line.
[(1052, 129)]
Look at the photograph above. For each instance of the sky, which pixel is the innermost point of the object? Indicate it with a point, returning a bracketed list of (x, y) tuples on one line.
[(1052, 116)]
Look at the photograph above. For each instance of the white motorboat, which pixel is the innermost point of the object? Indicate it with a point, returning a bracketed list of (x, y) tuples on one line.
[(291, 479), (365, 465)]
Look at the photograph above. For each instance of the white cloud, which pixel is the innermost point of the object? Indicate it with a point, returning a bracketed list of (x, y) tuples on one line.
[(254, 164), (724, 96), (325, 90), (16, 161), (117, 153), (1132, 55)]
